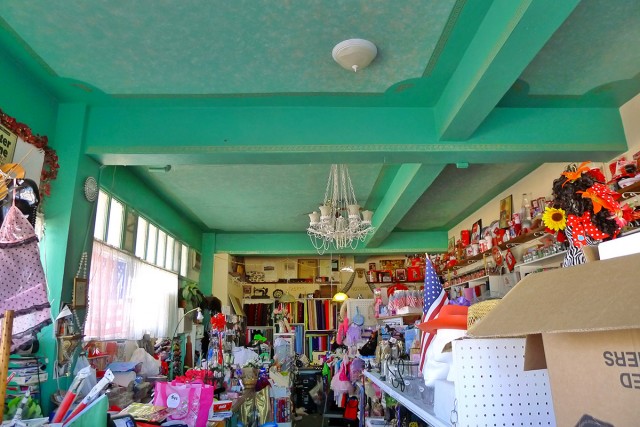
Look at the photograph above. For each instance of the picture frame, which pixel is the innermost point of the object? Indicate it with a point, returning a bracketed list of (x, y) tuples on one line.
[(506, 210), (372, 266), (196, 261), (451, 247), (401, 274), (80, 288), (246, 291), (391, 264), (476, 231)]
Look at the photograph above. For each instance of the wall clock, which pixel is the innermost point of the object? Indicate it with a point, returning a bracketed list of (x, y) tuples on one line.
[(278, 293)]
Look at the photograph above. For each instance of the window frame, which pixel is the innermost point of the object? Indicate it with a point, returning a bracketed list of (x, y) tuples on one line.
[(178, 245)]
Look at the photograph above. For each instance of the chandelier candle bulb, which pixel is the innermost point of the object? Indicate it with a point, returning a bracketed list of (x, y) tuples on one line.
[(314, 218)]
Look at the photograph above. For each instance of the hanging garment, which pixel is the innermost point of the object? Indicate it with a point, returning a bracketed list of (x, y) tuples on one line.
[(22, 281)]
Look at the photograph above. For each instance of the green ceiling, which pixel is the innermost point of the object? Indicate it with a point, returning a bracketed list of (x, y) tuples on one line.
[(245, 103)]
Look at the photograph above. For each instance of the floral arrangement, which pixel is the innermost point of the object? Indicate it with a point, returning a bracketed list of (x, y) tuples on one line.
[(195, 375), (585, 209), (281, 319), (280, 313)]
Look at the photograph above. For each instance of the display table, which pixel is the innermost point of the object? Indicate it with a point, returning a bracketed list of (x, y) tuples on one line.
[(418, 407)]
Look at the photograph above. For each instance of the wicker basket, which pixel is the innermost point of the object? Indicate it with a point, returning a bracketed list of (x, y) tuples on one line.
[(479, 310)]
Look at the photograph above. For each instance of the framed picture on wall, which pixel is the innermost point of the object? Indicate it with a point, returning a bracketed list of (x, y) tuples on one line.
[(391, 264), (451, 247), (506, 210), (372, 266), (196, 260), (79, 292)]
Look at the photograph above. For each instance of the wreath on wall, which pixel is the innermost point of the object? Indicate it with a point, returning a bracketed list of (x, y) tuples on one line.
[(50, 165)]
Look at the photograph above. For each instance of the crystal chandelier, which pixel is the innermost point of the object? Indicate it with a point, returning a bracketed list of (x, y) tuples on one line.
[(339, 224)]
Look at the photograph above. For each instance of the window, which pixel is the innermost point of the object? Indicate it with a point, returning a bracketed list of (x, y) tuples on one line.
[(162, 248), (114, 229), (101, 216), (141, 237), (121, 227), (168, 262), (152, 241), (128, 297), (184, 259)]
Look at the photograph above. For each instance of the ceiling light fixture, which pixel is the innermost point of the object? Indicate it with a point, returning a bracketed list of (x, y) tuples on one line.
[(354, 54), (342, 296), (160, 169), (339, 224)]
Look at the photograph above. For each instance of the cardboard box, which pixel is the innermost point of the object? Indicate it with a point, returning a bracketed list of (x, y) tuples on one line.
[(221, 406), (582, 323)]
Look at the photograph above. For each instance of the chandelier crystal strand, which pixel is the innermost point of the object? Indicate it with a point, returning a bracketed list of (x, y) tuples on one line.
[(340, 224)]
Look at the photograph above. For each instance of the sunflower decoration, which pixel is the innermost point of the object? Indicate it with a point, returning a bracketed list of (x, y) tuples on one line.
[(554, 219)]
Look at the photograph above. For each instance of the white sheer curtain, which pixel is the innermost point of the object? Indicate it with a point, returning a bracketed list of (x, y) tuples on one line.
[(128, 298)]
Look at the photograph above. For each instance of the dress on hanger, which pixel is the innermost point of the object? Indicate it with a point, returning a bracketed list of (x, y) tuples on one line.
[(22, 280)]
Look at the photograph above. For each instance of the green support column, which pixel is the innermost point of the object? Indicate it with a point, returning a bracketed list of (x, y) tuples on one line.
[(206, 270), (67, 222)]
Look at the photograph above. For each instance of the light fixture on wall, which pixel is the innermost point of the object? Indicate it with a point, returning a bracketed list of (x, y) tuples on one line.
[(354, 54), (159, 169), (339, 224), (342, 294), (286, 298)]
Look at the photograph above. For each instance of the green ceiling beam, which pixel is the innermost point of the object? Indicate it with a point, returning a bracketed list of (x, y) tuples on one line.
[(410, 182), (272, 244), (144, 136), (511, 35)]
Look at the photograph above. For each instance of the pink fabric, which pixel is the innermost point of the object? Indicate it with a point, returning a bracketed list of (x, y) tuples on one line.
[(22, 281)]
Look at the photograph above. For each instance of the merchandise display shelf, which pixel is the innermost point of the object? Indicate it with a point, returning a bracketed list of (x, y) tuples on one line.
[(542, 260), (524, 238), (398, 315), (480, 280), (633, 188), (258, 301), (418, 407)]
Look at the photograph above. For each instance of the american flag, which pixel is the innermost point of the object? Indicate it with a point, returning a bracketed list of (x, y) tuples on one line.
[(434, 299)]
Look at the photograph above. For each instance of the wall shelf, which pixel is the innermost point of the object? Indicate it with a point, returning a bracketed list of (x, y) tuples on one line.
[(395, 316), (524, 238), (418, 407), (543, 260), (633, 188), (480, 280)]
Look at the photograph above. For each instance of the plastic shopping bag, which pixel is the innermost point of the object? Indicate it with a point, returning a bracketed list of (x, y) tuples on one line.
[(206, 400), (182, 399)]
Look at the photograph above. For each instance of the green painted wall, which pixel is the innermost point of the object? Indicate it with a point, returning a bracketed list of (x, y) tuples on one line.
[(206, 272)]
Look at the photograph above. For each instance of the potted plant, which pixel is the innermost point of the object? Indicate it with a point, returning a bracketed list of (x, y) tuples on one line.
[(192, 295)]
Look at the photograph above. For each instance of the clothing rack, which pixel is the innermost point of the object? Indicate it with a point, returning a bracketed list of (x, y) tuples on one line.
[(5, 351)]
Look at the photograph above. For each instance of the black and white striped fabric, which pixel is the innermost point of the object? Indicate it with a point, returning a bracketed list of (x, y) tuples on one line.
[(574, 255)]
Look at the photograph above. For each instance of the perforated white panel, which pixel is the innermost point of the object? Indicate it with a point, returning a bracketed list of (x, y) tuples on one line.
[(364, 307), (493, 390)]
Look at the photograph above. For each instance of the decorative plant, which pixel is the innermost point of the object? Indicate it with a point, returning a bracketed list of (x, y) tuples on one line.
[(192, 295)]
